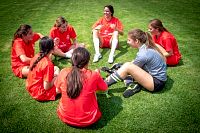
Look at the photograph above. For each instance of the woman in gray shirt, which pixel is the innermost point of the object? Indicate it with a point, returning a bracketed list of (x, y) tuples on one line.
[(148, 69)]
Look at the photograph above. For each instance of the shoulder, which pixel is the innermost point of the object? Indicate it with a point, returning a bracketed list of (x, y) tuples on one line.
[(18, 43), (167, 35), (115, 18), (70, 27), (65, 71), (53, 29)]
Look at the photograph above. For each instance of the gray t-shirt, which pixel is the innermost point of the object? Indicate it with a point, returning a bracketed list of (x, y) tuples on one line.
[(151, 61)]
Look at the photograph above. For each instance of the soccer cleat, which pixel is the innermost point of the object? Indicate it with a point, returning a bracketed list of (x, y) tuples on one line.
[(116, 66), (131, 90), (97, 57)]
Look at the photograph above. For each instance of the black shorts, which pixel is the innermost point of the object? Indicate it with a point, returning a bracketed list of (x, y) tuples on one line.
[(158, 84)]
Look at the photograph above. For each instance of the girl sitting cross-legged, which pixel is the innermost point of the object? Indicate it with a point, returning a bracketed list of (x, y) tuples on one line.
[(42, 73), (78, 85), (148, 69)]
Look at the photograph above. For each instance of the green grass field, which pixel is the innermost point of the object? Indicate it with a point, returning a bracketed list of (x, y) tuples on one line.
[(174, 109)]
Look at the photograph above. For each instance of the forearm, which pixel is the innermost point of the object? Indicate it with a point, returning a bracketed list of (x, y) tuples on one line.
[(25, 59)]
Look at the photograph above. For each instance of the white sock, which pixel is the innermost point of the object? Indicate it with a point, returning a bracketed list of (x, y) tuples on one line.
[(96, 45), (68, 54), (113, 47)]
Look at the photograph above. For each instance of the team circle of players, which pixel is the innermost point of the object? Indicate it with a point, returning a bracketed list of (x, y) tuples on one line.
[(77, 84)]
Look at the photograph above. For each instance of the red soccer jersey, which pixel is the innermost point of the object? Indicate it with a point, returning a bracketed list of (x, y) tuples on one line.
[(106, 31), (20, 48), (65, 37), (43, 71), (82, 111), (169, 43)]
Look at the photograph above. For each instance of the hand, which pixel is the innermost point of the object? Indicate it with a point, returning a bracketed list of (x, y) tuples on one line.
[(113, 26), (98, 27), (56, 41), (97, 70)]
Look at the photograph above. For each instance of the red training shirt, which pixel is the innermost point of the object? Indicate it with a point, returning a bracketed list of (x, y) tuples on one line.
[(43, 71), (169, 43), (106, 31), (19, 47), (65, 37), (82, 111)]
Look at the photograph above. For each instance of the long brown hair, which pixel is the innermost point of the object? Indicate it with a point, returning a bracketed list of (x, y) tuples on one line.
[(144, 38), (80, 58), (157, 24), (22, 30)]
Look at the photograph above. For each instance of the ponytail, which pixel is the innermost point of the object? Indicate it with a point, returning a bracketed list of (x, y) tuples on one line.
[(151, 44), (80, 58), (38, 59)]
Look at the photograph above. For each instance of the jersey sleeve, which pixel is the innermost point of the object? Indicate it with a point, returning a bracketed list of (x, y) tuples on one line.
[(36, 37), (167, 43), (72, 33), (119, 25), (140, 60), (52, 34), (18, 46), (98, 22), (101, 85)]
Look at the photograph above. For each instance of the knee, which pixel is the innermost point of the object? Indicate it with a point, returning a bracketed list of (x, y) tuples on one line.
[(127, 65), (95, 33), (115, 34)]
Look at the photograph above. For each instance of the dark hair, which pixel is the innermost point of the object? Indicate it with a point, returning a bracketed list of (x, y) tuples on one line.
[(22, 30), (157, 24), (46, 44), (144, 38), (110, 7), (59, 21), (80, 58)]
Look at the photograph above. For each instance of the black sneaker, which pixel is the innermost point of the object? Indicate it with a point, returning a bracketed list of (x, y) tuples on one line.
[(131, 90)]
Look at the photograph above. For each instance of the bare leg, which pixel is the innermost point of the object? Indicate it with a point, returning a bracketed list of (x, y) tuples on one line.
[(141, 76)]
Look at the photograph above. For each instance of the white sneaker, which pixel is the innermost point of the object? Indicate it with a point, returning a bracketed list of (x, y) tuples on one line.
[(96, 57), (111, 59)]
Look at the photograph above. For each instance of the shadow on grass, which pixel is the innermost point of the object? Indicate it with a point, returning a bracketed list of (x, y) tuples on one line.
[(123, 48), (110, 107), (61, 62), (168, 86)]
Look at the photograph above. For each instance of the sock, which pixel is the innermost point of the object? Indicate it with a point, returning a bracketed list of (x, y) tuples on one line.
[(68, 54), (128, 81), (96, 45), (113, 78), (113, 47)]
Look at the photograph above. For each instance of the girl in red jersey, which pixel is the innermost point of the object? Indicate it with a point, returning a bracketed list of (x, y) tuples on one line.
[(23, 49), (106, 32), (166, 42), (42, 74), (65, 36), (78, 85)]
